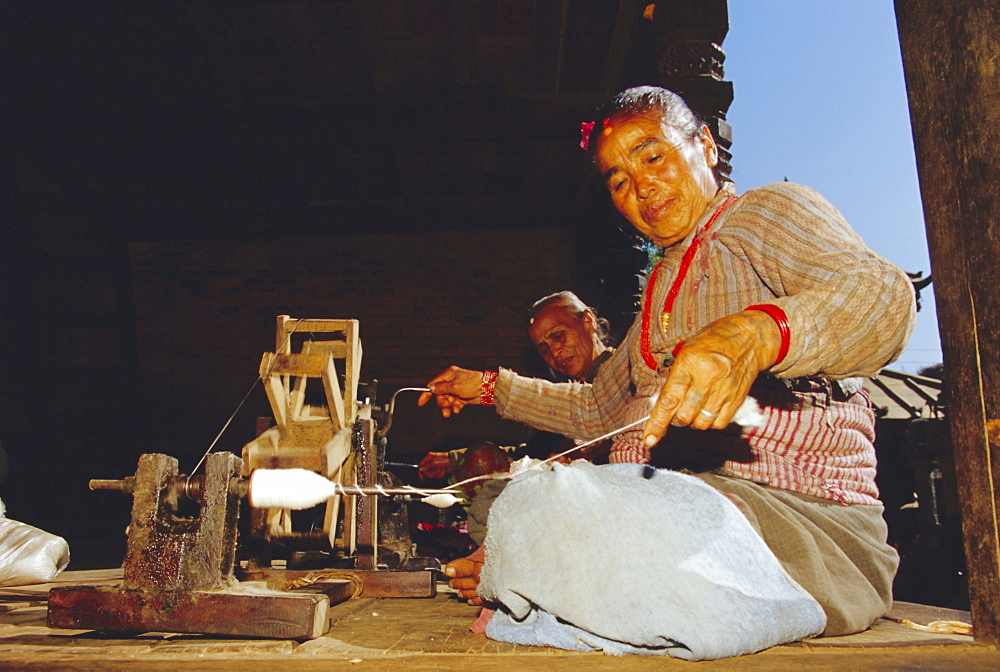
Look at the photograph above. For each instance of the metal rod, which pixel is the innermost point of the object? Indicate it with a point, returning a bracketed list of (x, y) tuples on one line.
[(124, 484), (390, 492), (192, 488), (392, 406)]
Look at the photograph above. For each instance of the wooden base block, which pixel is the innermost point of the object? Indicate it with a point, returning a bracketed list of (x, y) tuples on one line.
[(377, 583), (270, 615)]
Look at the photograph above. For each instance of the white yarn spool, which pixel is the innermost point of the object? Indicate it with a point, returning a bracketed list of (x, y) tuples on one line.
[(288, 489)]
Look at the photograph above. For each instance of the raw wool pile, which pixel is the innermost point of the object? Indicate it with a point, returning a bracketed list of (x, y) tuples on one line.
[(630, 559)]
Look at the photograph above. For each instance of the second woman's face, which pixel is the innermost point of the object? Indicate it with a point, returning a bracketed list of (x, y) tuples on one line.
[(567, 343), (659, 179)]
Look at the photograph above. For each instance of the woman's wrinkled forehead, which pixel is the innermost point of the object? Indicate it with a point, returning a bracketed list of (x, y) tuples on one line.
[(648, 118), (627, 135)]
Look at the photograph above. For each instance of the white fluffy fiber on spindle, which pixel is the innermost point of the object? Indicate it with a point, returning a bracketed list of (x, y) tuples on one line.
[(441, 500), (288, 489)]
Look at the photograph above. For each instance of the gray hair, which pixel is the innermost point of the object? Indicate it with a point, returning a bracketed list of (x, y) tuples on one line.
[(574, 306), (642, 99)]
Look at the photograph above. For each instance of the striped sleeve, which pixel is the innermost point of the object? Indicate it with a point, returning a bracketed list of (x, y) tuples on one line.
[(850, 311), (576, 410)]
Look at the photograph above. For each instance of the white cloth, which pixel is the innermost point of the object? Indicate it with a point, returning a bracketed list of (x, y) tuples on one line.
[(630, 559), (28, 554)]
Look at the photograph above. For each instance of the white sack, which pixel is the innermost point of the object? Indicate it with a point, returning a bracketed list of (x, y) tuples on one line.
[(29, 555)]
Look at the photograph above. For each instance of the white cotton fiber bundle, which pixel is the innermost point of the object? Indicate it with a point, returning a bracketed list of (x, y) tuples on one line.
[(749, 414)]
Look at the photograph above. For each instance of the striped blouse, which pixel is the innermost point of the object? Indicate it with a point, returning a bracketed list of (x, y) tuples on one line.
[(850, 312)]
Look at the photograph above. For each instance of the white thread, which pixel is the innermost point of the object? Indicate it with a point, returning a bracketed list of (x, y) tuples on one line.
[(239, 406), (747, 415), (538, 465), (302, 489)]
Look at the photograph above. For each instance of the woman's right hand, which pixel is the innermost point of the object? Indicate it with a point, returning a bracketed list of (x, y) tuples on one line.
[(713, 372), (453, 389)]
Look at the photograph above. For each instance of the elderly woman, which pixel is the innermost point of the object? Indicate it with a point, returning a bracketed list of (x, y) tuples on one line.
[(569, 336), (572, 340), (769, 294)]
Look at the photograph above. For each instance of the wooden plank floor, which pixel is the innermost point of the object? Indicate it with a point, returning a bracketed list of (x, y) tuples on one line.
[(433, 634)]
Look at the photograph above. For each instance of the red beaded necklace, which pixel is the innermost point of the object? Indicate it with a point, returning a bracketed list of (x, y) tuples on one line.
[(668, 305)]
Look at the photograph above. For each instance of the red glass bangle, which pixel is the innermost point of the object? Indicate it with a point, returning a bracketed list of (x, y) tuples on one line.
[(779, 317), (488, 388)]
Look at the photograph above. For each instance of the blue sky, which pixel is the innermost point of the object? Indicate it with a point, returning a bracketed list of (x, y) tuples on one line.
[(820, 99)]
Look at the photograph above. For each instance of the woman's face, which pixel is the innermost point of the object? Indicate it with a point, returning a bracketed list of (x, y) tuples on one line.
[(659, 178), (567, 343)]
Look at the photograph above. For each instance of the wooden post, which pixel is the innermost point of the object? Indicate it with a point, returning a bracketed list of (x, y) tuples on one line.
[(951, 59)]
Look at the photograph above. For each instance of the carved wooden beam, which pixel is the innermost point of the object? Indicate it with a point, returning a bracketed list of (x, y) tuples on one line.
[(690, 58)]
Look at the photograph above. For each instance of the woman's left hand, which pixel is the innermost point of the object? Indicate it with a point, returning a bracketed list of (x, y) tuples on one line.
[(434, 465), (463, 575), (713, 372)]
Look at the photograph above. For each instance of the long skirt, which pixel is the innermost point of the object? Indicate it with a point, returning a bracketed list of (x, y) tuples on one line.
[(837, 553)]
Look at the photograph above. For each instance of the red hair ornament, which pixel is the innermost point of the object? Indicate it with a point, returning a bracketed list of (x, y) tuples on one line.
[(586, 129)]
